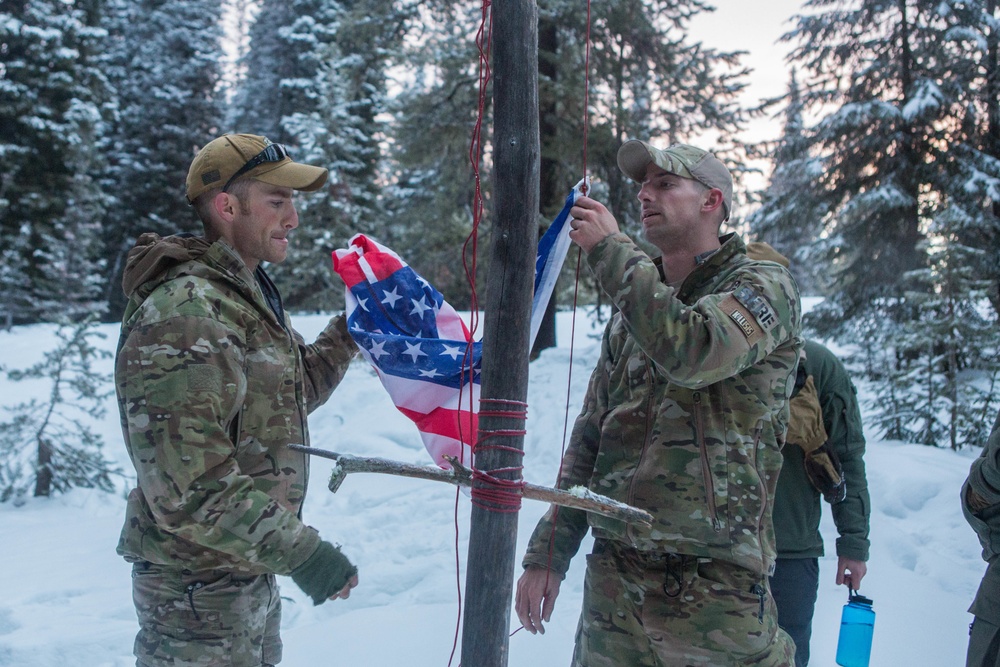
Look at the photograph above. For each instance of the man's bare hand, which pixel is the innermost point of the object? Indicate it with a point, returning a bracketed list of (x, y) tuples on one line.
[(537, 590), (345, 592), (592, 222), (850, 573)]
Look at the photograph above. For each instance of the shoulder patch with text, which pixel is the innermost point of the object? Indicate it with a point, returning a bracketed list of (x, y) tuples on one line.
[(739, 314), (758, 306)]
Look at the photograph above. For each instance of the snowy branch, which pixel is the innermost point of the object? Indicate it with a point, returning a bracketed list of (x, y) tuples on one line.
[(459, 475)]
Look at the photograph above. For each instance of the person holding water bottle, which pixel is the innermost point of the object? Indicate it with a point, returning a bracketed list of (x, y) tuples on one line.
[(823, 460)]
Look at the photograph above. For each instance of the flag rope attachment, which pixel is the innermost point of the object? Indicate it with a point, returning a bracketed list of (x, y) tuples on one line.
[(502, 494), (576, 294), (470, 249)]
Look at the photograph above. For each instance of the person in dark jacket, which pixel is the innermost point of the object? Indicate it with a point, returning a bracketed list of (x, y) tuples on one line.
[(981, 507), (684, 417), (797, 503), (823, 459), (213, 385)]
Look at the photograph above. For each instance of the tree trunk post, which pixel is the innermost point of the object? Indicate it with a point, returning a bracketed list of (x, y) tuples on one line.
[(493, 532), (43, 476)]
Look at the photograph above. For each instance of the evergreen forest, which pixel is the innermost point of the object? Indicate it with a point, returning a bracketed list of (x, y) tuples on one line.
[(883, 187)]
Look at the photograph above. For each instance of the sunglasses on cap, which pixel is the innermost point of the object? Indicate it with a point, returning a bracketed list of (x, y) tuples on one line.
[(271, 153)]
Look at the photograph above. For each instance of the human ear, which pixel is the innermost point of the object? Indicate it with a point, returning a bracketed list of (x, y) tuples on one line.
[(713, 200), (225, 204)]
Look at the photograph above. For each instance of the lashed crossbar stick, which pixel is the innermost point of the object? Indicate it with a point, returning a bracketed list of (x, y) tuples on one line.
[(577, 497)]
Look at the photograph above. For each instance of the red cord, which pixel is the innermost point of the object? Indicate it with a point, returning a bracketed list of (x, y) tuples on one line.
[(576, 294), (484, 40), (504, 495), (586, 102)]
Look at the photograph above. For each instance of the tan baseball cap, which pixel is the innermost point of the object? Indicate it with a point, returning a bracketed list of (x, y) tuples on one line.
[(231, 155), (682, 159)]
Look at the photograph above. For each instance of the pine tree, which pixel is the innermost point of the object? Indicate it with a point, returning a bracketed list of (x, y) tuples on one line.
[(55, 105), (785, 220), (429, 196), (968, 88), (958, 330), (16, 302), (647, 80), (49, 445), (166, 67), (261, 98), (901, 170), (328, 61), (867, 69)]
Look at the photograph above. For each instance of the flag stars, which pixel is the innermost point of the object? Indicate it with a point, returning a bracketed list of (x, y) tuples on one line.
[(391, 298), (377, 350), (363, 304), (431, 373), (414, 351), (452, 351), (419, 307)]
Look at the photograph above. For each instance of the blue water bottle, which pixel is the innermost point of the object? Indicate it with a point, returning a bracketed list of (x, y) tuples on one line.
[(857, 623)]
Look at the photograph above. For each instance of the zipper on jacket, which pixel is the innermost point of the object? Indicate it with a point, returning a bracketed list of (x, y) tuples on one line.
[(761, 594), (763, 484), (190, 591), (300, 408), (629, 529), (699, 429)]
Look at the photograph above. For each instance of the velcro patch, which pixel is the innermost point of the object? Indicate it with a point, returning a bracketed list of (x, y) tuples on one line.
[(738, 313), (757, 306), (744, 323)]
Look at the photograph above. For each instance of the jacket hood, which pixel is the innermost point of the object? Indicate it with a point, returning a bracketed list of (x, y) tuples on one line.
[(153, 256)]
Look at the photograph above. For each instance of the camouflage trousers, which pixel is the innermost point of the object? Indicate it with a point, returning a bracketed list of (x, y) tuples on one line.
[(205, 619), (643, 609)]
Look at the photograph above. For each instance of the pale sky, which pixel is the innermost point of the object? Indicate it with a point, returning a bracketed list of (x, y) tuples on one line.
[(753, 26)]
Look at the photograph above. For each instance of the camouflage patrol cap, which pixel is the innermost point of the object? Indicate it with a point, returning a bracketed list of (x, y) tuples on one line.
[(225, 157), (681, 159), (761, 250)]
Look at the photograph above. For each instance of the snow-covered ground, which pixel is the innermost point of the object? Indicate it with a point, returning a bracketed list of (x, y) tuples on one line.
[(65, 597)]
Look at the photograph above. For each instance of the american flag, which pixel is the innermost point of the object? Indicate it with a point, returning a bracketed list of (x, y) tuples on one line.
[(420, 346), (417, 343), (552, 249)]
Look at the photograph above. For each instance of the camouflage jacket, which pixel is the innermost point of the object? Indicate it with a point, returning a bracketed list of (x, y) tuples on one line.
[(686, 410), (981, 496), (212, 386), (981, 506)]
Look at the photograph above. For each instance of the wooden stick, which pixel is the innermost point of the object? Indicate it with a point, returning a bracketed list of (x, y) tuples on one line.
[(578, 497)]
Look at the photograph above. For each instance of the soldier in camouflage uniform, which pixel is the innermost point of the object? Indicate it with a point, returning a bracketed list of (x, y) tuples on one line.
[(980, 499), (684, 416), (213, 385)]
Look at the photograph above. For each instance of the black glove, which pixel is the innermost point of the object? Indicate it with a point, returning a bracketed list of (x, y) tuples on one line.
[(824, 470), (324, 574)]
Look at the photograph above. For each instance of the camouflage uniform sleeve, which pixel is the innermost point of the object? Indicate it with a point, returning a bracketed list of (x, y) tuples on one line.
[(980, 495), (325, 361), (842, 419), (183, 385), (718, 336), (982, 490), (562, 529)]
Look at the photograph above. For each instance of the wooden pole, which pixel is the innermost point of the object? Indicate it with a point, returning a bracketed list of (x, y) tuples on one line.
[(493, 534)]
